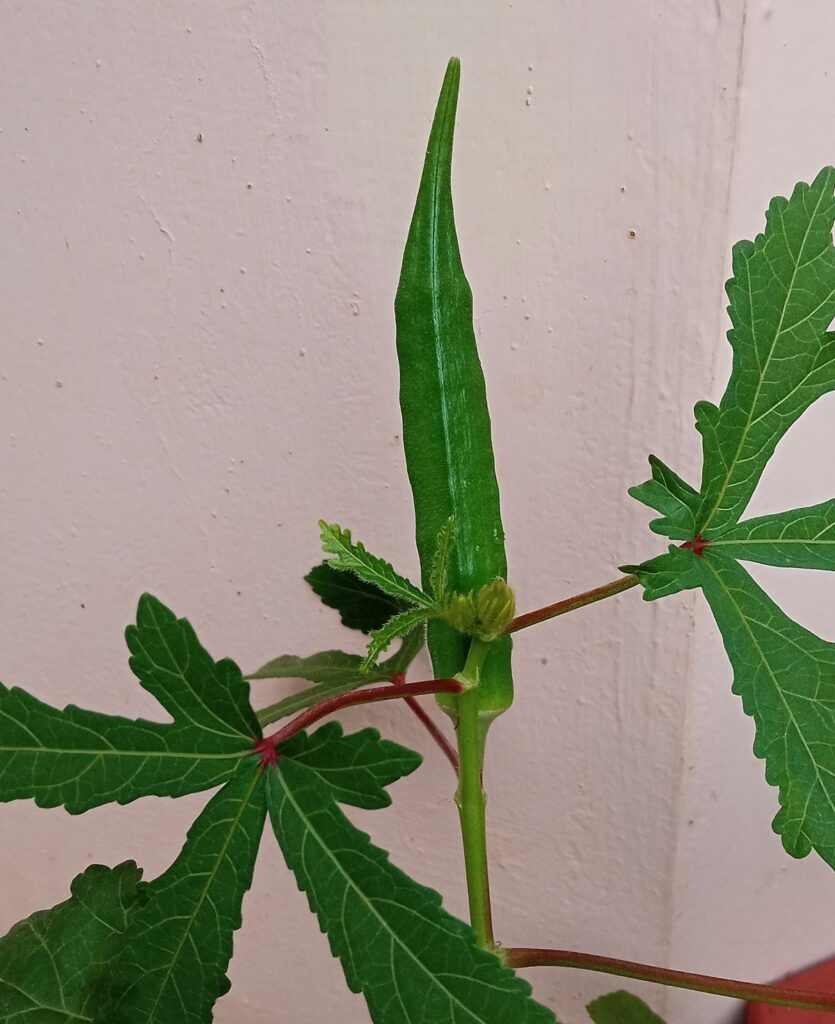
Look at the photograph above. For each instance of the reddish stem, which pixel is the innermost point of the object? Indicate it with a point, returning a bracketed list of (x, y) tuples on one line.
[(422, 716), (776, 995), (267, 747), (569, 604)]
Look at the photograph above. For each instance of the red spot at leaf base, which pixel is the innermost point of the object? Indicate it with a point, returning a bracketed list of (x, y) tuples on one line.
[(697, 545), (267, 749)]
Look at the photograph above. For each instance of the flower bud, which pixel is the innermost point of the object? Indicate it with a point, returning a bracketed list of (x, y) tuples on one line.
[(460, 612), (495, 606)]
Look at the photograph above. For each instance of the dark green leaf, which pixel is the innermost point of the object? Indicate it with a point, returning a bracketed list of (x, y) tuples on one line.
[(786, 678), (355, 557), (179, 942), (356, 768), (170, 663), (804, 537), (621, 1008), (82, 759), (413, 962), (782, 300), (446, 423), (361, 605), (52, 963)]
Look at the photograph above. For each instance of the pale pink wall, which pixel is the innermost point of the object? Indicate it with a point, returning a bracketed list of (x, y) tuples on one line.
[(198, 363)]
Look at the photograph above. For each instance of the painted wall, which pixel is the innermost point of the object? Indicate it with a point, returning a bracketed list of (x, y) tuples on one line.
[(203, 210)]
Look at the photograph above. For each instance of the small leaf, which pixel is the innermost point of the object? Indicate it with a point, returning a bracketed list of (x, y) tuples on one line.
[(804, 537), (179, 943), (361, 605), (673, 497), (621, 1008), (413, 962), (439, 575), (331, 668), (52, 963), (666, 574), (339, 673), (82, 759), (782, 300), (336, 540), (401, 624), (786, 678), (446, 422)]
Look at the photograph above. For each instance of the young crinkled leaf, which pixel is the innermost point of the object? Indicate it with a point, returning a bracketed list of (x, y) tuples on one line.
[(354, 557), (82, 759), (53, 963), (400, 625), (621, 1008), (361, 605), (413, 962), (172, 966), (446, 423), (785, 676)]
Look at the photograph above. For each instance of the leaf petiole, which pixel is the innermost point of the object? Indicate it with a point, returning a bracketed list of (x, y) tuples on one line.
[(268, 746), (775, 995), (570, 604)]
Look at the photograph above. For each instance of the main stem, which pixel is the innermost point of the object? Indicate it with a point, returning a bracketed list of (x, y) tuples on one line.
[(470, 797)]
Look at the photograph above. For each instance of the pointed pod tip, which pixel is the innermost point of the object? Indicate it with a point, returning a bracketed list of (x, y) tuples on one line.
[(453, 72)]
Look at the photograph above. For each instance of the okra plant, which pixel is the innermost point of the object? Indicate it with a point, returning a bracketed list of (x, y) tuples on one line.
[(124, 950)]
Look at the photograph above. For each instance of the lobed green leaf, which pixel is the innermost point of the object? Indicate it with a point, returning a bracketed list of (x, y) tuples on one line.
[(785, 676), (413, 962), (782, 300), (172, 966), (82, 759), (53, 963)]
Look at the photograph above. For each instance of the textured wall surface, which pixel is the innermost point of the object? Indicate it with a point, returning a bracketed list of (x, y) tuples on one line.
[(203, 210)]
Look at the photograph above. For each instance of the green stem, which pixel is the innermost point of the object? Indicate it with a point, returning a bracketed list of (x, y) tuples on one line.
[(775, 995), (570, 604), (471, 730)]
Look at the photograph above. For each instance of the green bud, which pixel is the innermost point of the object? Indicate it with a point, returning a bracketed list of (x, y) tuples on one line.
[(460, 612), (495, 606)]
